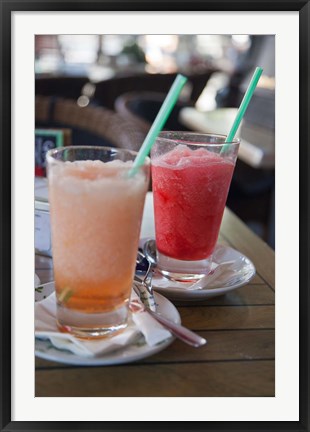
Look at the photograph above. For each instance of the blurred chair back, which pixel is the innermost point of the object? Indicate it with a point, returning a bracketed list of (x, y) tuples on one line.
[(104, 93), (90, 125), (108, 91), (142, 108)]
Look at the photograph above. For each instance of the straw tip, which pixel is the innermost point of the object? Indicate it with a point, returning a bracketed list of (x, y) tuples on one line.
[(180, 80)]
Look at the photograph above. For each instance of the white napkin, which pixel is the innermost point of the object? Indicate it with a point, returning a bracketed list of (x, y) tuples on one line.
[(36, 280), (139, 323)]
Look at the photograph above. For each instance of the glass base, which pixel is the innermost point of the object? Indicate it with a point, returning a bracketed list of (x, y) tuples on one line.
[(183, 271), (92, 325)]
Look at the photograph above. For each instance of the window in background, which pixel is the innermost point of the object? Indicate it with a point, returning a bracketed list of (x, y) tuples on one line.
[(74, 55)]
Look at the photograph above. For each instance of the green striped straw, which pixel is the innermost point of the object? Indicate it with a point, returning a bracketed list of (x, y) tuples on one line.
[(243, 106), (159, 122)]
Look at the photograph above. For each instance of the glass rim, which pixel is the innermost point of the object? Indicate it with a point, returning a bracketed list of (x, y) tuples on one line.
[(181, 138), (50, 154)]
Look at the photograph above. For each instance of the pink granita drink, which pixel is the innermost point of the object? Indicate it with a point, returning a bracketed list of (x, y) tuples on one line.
[(191, 178), (96, 213)]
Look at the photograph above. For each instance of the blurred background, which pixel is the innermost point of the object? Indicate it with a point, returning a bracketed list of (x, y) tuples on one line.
[(107, 90)]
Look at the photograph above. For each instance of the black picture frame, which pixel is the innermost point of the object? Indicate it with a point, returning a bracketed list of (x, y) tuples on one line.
[(7, 7)]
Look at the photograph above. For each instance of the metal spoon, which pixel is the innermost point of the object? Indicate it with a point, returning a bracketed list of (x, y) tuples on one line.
[(177, 330), (144, 269), (149, 250)]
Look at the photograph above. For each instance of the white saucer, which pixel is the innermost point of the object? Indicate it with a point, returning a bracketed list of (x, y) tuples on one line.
[(132, 352), (242, 271)]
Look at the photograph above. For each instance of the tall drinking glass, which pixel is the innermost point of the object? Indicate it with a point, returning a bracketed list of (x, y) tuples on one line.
[(191, 175), (96, 212)]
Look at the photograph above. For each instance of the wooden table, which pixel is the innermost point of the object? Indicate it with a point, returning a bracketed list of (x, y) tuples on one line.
[(239, 359)]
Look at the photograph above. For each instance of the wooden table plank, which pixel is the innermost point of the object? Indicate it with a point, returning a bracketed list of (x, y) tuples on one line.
[(245, 241), (249, 295), (226, 317), (233, 378), (222, 345)]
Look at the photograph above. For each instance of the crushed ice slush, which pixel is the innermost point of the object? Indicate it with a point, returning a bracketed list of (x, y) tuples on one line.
[(96, 213), (190, 191)]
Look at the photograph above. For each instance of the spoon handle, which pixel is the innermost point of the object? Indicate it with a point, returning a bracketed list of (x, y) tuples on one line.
[(178, 330), (144, 291)]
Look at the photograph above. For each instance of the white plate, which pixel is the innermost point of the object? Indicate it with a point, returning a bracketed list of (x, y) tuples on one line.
[(242, 271), (135, 351)]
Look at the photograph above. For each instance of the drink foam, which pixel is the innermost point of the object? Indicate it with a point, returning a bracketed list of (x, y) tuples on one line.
[(182, 157), (95, 176)]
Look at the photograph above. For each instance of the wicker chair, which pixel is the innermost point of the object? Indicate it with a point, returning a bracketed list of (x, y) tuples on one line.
[(142, 107), (90, 125)]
